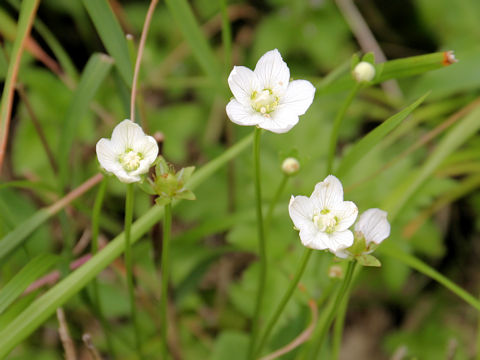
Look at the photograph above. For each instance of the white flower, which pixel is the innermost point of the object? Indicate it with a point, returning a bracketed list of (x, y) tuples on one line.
[(372, 226), (364, 72), (129, 154), (324, 218), (265, 97)]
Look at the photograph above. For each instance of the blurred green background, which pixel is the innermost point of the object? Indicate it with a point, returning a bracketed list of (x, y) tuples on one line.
[(394, 312)]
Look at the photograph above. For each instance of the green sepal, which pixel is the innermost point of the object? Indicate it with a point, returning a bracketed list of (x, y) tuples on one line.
[(368, 260), (147, 187), (369, 57), (186, 195), (354, 62), (185, 174), (359, 245), (162, 201)]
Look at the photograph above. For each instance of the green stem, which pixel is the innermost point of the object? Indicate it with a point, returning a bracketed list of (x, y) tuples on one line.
[(226, 35), (336, 127), (285, 299), (167, 226), (261, 243), (340, 322), (319, 335), (478, 339), (274, 201), (129, 264), (97, 208)]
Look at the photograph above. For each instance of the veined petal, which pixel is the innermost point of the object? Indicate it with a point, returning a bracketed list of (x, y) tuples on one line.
[(314, 240), (149, 149), (243, 83), (127, 178), (280, 121), (107, 157), (328, 194), (242, 115), (340, 240), (346, 212), (298, 97), (126, 134), (301, 211), (272, 72), (374, 226)]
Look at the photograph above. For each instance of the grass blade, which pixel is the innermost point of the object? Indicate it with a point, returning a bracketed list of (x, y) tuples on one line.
[(112, 36), (27, 15), (464, 129), (95, 72), (202, 51), (42, 308), (29, 273), (369, 141)]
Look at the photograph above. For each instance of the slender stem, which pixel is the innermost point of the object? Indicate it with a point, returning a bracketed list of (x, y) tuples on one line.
[(97, 208), (339, 323), (318, 338), (226, 35), (478, 339), (129, 263), (274, 201), (146, 26), (336, 127), (167, 225), (261, 244), (285, 299)]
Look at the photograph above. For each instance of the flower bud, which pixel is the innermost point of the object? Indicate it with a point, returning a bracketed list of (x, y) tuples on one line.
[(335, 272), (290, 166), (364, 72), (373, 226)]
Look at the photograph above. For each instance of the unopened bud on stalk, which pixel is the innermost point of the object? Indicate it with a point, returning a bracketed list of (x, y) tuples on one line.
[(364, 72), (335, 272), (290, 166)]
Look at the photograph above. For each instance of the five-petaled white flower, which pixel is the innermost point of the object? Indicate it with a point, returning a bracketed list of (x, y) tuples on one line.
[(324, 218), (373, 227), (129, 154), (265, 97)]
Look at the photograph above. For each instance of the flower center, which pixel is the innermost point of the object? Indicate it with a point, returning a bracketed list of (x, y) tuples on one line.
[(325, 221), (130, 160), (264, 102)]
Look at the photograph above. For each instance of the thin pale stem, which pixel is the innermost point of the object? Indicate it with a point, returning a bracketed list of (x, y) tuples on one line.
[(167, 226), (129, 263), (284, 301), (337, 123), (318, 338), (274, 201), (97, 208), (143, 38), (261, 244)]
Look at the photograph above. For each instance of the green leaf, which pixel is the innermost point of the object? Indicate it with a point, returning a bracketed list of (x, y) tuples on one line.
[(29, 273), (186, 195), (146, 187), (42, 308), (95, 72), (112, 36), (27, 14), (368, 260), (194, 36), (369, 141), (458, 135), (228, 341)]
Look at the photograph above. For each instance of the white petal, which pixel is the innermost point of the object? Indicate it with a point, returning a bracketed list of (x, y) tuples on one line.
[(301, 211), (272, 72), (328, 194), (126, 135), (298, 97), (317, 240), (374, 226), (243, 82), (127, 178), (149, 149), (280, 121), (342, 253), (107, 157), (346, 212), (242, 115), (340, 240)]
